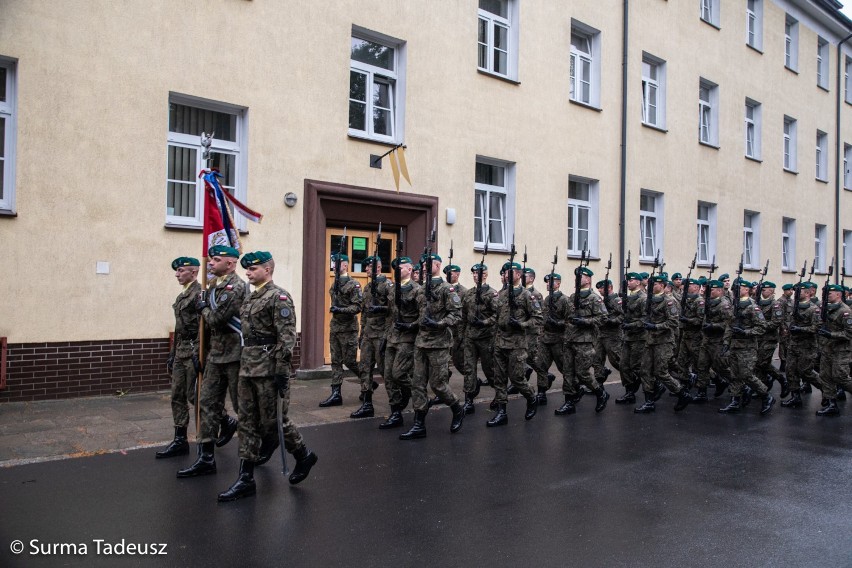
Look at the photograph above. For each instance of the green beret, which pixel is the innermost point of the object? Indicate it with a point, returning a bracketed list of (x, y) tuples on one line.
[(811, 285), (657, 278), (254, 258), (555, 277), (343, 257), (644, 275), (633, 276), (602, 283), (742, 282), (786, 287), (529, 270), (400, 260), (689, 281), (452, 268), (222, 250), (724, 276), (433, 255), (768, 284), (184, 261), (835, 288), (664, 275), (585, 270), (702, 280), (475, 267), (715, 284), (677, 276), (507, 265), (369, 260)]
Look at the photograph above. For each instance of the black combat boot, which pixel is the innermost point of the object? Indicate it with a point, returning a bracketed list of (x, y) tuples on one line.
[(683, 399), (747, 395), (806, 388), (366, 410), (648, 407), (334, 399), (701, 397), (406, 398), (418, 430), (785, 385), (434, 401), (374, 385), (227, 429), (659, 390), (305, 460), (733, 406), (204, 465), (602, 397), (532, 407), (606, 373), (550, 378), (830, 410), (795, 400), (458, 417), (493, 405), (567, 407), (629, 396), (841, 394), (243, 486), (768, 403), (721, 386), (268, 445), (178, 447), (469, 407), (394, 420), (541, 396), (500, 418), (477, 386)]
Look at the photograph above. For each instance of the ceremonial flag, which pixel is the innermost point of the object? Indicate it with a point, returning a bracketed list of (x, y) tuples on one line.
[(219, 228), (403, 167), (394, 169)]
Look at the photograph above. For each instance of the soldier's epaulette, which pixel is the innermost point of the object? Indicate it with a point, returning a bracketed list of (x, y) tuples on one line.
[(282, 297)]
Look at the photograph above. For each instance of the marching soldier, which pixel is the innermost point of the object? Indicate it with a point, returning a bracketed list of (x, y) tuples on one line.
[(803, 321), (677, 286), (374, 330), (743, 332), (184, 356), (479, 313), (438, 314), (837, 350), (221, 309), (690, 340), (556, 311), (661, 324), (452, 272), (774, 313), (399, 353), (515, 315), (533, 335), (712, 353), (343, 330), (269, 330), (634, 335), (610, 334), (786, 301)]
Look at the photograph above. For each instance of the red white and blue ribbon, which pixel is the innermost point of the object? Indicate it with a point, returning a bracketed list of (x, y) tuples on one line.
[(219, 227)]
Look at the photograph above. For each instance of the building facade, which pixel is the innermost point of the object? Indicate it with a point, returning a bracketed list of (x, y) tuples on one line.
[(726, 131)]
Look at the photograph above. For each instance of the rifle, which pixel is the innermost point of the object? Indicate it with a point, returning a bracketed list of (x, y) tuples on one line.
[(524, 269), (797, 292), (479, 272), (550, 284), (650, 293), (710, 272), (759, 289), (736, 290), (428, 262), (606, 280), (578, 275), (449, 263), (374, 264), (824, 313), (511, 279), (397, 282), (623, 291), (683, 300), (813, 267), (336, 287)]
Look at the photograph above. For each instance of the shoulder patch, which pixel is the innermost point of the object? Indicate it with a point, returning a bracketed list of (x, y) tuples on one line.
[(536, 304), (673, 310), (759, 314), (285, 312), (778, 312), (229, 287), (670, 302), (224, 297), (282, 297)]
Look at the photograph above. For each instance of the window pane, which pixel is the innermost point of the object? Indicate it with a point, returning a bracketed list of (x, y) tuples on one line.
[(646, 203), (185, 119), (180, 199), (357, 86), (227, 167), (483, 44), (496, 208), (583, 218), (182, 164), (578, 190), (490, 175), (501, 37), (479, 225), (357, 115), (572, 226), (703, 212), (372, 53), (2, 137), (498, 7), (382, 122), (580, 43), (500, 61)]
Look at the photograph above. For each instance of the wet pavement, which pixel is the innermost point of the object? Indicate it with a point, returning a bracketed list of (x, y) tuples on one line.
[(610, 489)]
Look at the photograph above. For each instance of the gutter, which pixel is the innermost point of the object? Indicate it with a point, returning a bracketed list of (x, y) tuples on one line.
[(837, 164), (623, 187)]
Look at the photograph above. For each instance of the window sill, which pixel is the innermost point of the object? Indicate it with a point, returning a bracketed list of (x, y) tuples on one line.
[(711, 24), (192, 228), (848, 102), (585, 105), (758, 160), (365, 138), (497, 76), (789, 171), (8, 213), (821, 180), (499, 250), (654, 127), (791, 70), (823, 87), (752, 269), (754, 48), (575, 256), (789, 271), (848, 188), (646, 262), (709, 145)]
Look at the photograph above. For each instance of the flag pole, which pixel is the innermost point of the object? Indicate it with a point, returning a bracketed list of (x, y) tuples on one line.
[(206, 141)]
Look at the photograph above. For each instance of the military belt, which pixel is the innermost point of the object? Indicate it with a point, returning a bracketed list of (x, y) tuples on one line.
[(255, 341)]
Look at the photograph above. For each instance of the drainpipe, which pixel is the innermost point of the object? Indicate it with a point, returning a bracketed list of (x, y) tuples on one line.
[(837, 231), (623, 188)]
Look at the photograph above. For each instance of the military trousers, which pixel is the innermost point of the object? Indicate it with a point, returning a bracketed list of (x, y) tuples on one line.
[(546, 355), (631, 364), (533, 345), (765, 351), (656, 361), (688, 353), (509, 367), (371, 356), (344, 351), (478, 351), (184, 379), (711, 356), (399, 365), (219, 379), (258, 416), (457, 351), (579, 358), (431, 368), (742, 362), (834, 372), (801, 357), (608, 345)]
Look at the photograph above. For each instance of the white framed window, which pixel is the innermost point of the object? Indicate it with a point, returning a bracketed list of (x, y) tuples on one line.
[(820, 246), (585, 67), (8, 133), (821, 156), (376, 86), (822, 63), (791, 43), (754, 24), (494, 203), (847, 253), (710, 11), (847, 164), (847, 79), (753, 121), (497, 37), (708, 112), (706, 232), (651, 216), (582, 215), (789, 144), (653, 91), (751, 239), (188, 118), (788, 244)]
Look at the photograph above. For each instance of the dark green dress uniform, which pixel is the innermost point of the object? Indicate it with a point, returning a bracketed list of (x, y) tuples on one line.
[(610, 337), (551, 348), (803, 322), (399, 353), (480, 325), (633, 345), (581, 335), (836, 353), (374, 330), (184, 373), (690, 339)]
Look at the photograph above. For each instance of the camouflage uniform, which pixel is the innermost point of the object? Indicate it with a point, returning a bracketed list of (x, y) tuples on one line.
[(457, 349), (690, 334), (664, 316), (479, 338), (610, 337), (773, 314), (551, 349), (633, 345), (743, 348), (533, 334), (222, 367), (510, 344), (185, 351), (269, 329), (802, 350), (399, 354), (580, 340), (834, 370), (718, 312), (783, 332), (432, 346), (374, 329), (343, 331)]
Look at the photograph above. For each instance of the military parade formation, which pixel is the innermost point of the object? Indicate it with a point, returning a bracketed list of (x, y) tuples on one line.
[(661, 332)]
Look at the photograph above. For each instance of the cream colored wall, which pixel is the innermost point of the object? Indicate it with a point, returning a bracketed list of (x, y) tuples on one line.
[(94, 80)]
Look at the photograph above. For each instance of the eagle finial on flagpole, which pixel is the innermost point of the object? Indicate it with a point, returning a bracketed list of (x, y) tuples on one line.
[(206, 142)]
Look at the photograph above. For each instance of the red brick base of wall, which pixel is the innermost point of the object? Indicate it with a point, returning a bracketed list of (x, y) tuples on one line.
[(44, 371)]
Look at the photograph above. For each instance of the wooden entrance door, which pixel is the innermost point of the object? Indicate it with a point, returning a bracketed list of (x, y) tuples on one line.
[(357, 246)]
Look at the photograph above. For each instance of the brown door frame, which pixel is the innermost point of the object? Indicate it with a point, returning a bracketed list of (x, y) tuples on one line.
[(337, 204)]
